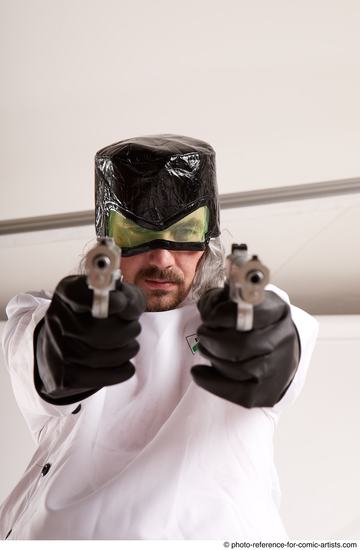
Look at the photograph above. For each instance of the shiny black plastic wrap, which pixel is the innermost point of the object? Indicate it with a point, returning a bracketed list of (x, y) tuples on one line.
[(155, 181)]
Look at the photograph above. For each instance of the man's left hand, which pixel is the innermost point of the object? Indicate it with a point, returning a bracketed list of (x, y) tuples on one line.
[(251, 368)]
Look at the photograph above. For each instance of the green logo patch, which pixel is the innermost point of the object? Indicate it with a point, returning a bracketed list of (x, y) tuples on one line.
[(193, 343)]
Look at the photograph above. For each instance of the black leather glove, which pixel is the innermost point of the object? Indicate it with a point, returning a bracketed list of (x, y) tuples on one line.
[(253, 368), (77, 354)]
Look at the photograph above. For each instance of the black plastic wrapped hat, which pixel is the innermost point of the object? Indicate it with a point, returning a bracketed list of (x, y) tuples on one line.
[(155, 181)]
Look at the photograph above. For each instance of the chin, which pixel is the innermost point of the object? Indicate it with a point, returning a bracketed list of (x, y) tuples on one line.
[(163, 301)]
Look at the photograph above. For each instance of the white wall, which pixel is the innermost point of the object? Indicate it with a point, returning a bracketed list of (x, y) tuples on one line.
[(317, 444), (273, 85)]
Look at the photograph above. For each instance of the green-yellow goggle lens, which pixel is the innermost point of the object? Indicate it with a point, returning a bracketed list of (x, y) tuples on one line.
[(190, 229)]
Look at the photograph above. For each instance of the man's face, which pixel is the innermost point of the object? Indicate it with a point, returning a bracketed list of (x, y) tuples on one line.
[(165, 276)]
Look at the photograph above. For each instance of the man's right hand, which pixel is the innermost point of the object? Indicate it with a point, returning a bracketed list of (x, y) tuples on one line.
[(76, 354)]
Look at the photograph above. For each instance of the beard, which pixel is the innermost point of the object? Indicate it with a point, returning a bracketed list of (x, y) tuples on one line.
[(162, 299)]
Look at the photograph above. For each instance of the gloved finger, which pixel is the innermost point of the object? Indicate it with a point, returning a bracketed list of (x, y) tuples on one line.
[(74, 292), (82, 354), (235, 345), (241, 393), (104, 336), (252, 369), (270, 311), (128, 301), (216, 309), (109, 333), (81, 377)]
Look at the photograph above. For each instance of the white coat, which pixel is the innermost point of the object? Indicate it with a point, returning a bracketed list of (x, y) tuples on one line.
[(155, 457)]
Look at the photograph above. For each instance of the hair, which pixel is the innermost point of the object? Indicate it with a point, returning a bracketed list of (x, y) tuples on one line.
[(210, 272)]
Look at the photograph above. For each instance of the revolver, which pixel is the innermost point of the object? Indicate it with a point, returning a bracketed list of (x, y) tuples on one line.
[(102, 266), (247, 278)]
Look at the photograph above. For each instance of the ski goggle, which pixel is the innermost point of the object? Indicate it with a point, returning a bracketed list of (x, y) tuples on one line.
[(188, 233)]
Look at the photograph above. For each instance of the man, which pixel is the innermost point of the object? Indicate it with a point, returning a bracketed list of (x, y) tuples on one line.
[(139, 436)]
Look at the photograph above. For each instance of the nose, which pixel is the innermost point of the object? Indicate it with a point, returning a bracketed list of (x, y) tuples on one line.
[(162, 258)]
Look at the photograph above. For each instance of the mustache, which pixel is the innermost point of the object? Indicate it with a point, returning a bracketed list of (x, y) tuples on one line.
[(154, 272)]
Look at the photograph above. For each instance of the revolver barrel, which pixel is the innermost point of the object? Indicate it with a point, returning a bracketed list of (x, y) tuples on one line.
[(102, 267), (247, 278)]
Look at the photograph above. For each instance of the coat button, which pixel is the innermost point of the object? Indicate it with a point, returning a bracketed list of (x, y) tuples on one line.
[(45, 469), (75, 411)]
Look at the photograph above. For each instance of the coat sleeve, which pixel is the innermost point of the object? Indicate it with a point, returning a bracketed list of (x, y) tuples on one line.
[(307, 328), (24, 312)]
